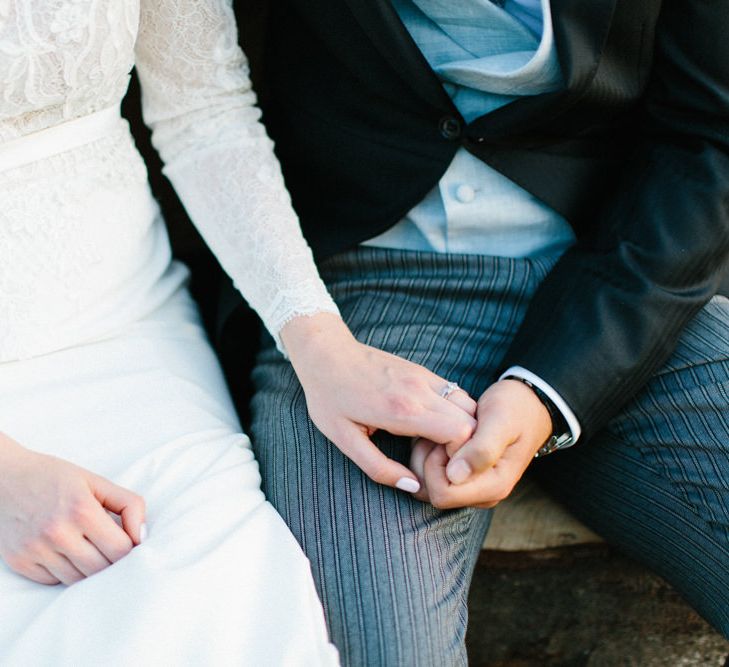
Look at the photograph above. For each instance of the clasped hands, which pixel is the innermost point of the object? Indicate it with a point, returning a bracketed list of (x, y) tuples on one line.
[(465, 453)]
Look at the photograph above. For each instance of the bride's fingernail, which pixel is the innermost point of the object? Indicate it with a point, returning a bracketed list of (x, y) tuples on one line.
[(142, 533), (408, 484), (458, 471)]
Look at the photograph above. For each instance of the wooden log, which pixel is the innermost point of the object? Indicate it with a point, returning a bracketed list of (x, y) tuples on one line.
[(530, 520)]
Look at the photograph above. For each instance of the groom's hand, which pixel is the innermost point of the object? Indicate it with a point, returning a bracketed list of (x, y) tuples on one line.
[(353, 390), (512, 426)]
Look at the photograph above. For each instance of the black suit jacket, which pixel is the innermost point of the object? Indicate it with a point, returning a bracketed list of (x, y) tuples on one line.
[(634, 151)]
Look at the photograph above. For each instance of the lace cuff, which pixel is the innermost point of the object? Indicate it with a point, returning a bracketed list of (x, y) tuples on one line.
[(307, 299)]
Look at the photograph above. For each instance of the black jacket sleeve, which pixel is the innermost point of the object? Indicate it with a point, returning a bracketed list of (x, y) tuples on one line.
[(613, 307)]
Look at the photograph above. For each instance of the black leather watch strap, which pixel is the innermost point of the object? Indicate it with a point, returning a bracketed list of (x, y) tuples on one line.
[(561, 435)]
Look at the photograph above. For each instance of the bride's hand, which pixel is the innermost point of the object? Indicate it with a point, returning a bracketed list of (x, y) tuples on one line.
[(353, 390), (54, 526)]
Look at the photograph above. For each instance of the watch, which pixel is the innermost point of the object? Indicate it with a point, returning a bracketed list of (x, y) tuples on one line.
[(561, 436)]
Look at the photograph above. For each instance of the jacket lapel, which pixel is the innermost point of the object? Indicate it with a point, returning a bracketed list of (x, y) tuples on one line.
[(383, 26), (580, 31)]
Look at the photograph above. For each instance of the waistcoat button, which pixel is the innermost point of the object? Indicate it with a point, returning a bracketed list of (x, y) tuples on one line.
[(465, 193), (450, 127)]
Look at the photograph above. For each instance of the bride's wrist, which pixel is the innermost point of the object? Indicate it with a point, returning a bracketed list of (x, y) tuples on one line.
[(305, 336), (10, 450)]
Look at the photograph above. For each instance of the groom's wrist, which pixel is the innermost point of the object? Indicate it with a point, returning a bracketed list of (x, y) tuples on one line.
[(566, 427)]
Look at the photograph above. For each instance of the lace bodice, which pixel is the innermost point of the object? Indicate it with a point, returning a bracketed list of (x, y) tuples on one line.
[(64, 59)]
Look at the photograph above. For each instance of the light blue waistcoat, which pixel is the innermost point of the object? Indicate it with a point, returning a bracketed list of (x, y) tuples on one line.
[(486, 56)]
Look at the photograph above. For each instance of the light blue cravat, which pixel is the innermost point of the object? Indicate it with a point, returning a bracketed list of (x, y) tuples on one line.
[(486, 56)]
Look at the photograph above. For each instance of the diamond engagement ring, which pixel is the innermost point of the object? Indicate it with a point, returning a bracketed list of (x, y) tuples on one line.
[(448, 389)]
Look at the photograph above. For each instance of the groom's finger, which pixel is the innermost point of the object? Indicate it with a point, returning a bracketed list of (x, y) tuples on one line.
[(372, 461), (421, 448), (493, 434), (483, 490)]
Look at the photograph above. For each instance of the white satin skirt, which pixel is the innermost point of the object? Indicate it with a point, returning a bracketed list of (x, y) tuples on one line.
[(220, 580)]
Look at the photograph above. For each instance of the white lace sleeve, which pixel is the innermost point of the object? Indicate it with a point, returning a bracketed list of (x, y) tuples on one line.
[(197, 98)]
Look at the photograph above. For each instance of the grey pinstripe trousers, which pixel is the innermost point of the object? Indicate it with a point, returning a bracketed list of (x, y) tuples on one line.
[(394, 573)]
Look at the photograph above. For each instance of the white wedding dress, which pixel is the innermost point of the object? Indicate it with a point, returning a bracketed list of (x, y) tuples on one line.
[(102, 357)]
